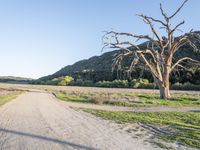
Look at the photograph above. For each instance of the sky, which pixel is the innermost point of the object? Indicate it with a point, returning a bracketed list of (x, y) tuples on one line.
[(39, 37)]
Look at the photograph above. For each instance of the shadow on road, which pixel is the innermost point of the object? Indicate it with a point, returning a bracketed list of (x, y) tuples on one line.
[(49, 139)]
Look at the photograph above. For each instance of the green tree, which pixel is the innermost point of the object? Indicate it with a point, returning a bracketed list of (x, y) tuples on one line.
[(67, 80)]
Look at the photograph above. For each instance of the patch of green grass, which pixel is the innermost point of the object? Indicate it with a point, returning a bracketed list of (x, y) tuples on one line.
[(183, 127), (73, 98), (176, 100), (88, 99), (157, 118), (125, 104), (163, 146)]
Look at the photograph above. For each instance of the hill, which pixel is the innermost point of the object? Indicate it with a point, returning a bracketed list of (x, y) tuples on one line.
[(98, 68), (94, 64), (13, 79)]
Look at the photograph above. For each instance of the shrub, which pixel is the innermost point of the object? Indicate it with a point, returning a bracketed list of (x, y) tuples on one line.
[(67, 80), (139, 83), (115, 83), (185, 86), (87, 83), (80, 82), (120, 83), (103, 83), (148, 86)]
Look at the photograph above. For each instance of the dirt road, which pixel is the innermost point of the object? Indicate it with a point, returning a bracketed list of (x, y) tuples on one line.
[(35, 120)]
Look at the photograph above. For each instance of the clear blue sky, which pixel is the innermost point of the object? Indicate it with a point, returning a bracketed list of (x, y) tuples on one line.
[(38, 37)]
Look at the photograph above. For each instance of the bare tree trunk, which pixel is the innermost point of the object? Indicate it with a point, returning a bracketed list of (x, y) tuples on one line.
[(164, 92), (164, 87)]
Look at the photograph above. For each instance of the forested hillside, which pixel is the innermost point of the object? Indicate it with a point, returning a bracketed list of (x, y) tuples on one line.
[(98, 68)]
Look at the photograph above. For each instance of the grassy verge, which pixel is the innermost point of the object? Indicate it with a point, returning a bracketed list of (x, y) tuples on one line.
[(6, 98), (88, 99), (73, 98), (132, 100), (176, 100), (182, 127)]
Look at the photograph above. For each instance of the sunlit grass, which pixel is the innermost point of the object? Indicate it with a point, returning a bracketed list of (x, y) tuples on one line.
[(7, 98), (131, 100), (182, 127)]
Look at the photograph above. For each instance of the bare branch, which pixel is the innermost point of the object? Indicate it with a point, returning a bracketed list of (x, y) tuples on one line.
[(182, 66), (181, 60), (163, 13), (138, 37), (147, 51), (178, 42), (119, 58), (133, 63), (151, 68), (133, 35), (105, 45), (119, 47), (181, 23), (178, 9), (152, 29), (192, 45), (128, 43), (157, 20), (185, 39)]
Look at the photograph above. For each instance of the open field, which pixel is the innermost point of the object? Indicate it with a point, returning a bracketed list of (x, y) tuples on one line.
[(158, 124), (130, 99), (70, 89), (115, 96)]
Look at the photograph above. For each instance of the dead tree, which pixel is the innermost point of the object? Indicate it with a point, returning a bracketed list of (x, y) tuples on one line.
[(158, 56)]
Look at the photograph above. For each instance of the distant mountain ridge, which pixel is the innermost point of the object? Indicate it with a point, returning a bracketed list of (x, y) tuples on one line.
[(102, 65), (14, 79)]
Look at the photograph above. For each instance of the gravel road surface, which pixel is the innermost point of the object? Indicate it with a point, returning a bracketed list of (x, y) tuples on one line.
[(35, 120)]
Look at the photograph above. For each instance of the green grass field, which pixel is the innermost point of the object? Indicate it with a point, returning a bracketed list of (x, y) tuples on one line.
[(131, 100), (182, 127)]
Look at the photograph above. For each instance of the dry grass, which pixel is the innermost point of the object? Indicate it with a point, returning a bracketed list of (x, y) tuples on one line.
[(7, 95), (90, 90), (116, 96), (4, 92)]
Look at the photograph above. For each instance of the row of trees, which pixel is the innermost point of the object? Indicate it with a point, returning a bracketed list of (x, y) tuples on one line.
[(180, 76), (135, 83), (62, 81)]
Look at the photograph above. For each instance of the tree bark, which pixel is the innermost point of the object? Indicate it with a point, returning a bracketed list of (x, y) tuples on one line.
[(164, 84), (164, 92), (164, 87)]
